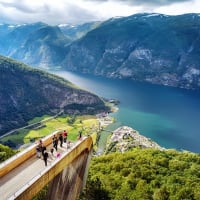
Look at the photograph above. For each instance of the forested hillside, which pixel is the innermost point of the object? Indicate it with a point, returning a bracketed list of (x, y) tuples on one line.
[(144, 174), (26, 93), (6, 152)]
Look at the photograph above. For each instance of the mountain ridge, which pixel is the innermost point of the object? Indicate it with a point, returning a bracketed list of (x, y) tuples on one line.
[(27, 92), (39, 44), (154, 48), (150, 47)]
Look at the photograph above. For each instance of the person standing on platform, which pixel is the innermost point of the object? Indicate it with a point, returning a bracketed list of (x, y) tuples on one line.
[(61, 139), (80, 135), (65, 136), (45, 156), (55, 142), (43, 149), (38, 151), (39, 148)]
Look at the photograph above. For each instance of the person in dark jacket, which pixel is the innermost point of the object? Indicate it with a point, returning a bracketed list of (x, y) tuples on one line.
[(43, 149), (61, 139), (80, 135), (55, 142), (52, 150), (45, 156)]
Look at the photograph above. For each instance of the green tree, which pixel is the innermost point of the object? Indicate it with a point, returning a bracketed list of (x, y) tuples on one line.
[(161, 194), (6, 152), (94, 191), (148, 174)]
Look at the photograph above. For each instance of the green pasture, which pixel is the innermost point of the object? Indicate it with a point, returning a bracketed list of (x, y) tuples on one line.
[(38, 119), (86, 124)]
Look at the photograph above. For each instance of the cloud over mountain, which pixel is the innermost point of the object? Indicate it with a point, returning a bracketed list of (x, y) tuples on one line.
[(80, 11)]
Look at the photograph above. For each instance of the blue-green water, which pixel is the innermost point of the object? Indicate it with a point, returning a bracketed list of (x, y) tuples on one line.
[(169, 116)]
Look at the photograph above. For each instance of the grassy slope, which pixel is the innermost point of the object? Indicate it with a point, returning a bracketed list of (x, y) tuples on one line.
[(87, 124)]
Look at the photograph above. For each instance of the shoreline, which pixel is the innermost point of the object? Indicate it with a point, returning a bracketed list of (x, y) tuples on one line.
[(124, 138)]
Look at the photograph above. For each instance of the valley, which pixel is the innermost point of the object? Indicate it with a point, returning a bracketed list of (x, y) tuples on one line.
[(99, 100), (167, 115), (154, 48)]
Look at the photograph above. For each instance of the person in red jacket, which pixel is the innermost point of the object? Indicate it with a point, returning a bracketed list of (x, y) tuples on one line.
[(65, 136)]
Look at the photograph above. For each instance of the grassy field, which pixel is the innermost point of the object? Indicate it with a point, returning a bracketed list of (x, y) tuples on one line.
[(86, 124)]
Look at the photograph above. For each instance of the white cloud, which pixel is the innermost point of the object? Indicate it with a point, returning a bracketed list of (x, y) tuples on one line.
[(79, 11), (176, 9), (49, 11), (108, 9)]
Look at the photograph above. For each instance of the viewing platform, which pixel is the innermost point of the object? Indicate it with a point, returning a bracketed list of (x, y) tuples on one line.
[(24, 175)]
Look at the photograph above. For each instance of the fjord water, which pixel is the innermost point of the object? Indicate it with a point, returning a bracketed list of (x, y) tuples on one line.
[(169, 116)]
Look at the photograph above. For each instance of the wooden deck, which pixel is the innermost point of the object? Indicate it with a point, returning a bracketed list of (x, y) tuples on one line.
[(21, 175)]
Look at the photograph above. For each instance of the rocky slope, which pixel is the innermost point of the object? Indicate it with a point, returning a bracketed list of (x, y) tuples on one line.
[(45, 46), (74, 32), (155, 48), (26, 93), (13, 37)]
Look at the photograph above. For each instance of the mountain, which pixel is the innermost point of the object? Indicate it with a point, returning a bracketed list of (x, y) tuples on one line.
[(35, 44), (45, 46), (40, 44), (74, 32), (14, 36), (155, 48), (26, 92)]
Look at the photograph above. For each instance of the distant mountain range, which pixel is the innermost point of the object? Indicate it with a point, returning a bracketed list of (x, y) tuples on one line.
[(40, 44), (26, 93), (156, 48), (74, 32)]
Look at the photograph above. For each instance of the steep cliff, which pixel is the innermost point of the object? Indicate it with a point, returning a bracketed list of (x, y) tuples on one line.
[(26, 93), (155, 48)]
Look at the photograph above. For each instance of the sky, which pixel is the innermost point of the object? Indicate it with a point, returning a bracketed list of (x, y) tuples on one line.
[(55, 12)]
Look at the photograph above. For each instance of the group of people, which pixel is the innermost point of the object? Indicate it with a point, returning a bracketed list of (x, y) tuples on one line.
[(62, 138), (41, 150)]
